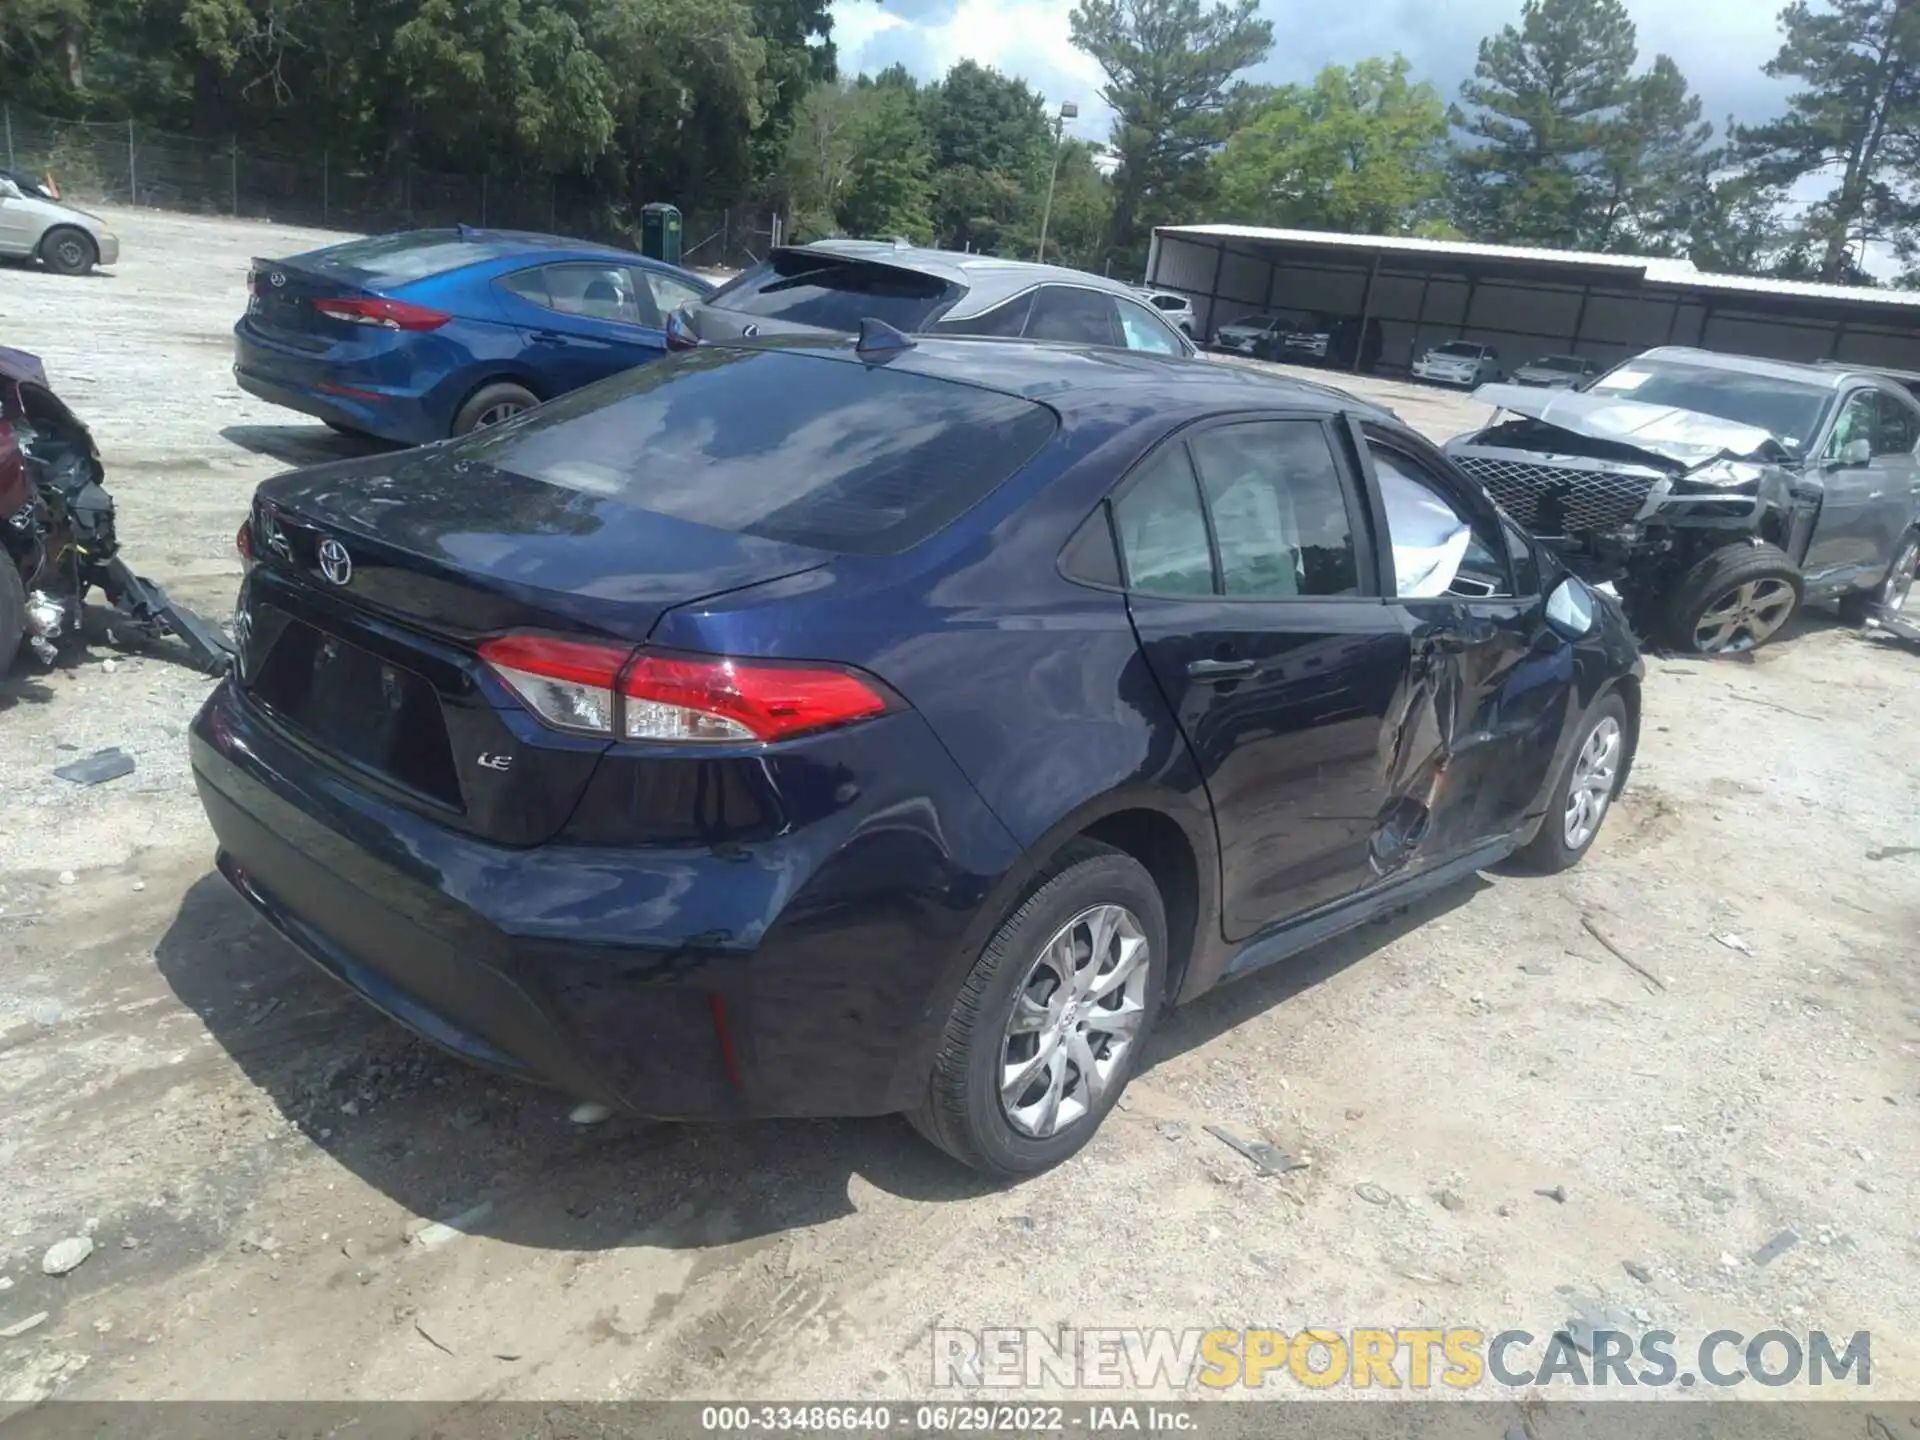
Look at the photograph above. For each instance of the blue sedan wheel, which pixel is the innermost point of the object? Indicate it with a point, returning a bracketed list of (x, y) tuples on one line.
[(492, 404)]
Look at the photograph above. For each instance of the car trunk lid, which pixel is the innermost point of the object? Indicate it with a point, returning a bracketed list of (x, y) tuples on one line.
[(375, 582)]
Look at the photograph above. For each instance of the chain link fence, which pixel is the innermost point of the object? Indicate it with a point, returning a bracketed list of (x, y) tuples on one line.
[(127, 163)]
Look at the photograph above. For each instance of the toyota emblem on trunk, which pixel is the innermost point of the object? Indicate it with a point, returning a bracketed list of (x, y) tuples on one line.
[(335, 563)]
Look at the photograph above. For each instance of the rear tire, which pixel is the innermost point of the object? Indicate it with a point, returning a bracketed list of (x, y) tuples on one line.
[(968, 1110), (13, 612), (491, 404), (1594, 769), (68, 250), (1890, 596), (1736, 599)]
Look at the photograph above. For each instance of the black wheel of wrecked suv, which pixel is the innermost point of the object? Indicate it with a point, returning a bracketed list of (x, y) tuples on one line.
[(1737, 598), (1048, 1027)]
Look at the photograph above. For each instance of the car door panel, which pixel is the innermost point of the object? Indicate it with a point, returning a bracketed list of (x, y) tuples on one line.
[(1863, 508), (1488, 683), (571, 348), (1282, 694)]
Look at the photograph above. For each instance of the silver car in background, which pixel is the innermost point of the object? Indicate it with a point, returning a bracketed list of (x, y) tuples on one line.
[(65, 240), (1718, 492)]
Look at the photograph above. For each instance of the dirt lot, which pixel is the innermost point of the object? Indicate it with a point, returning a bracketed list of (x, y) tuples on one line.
[(249, 1149)]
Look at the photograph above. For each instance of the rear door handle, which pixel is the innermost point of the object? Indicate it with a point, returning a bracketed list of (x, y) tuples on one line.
[(1219, 669)]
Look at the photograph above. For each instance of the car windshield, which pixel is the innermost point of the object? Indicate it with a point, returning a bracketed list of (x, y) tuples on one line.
[(1569, 363), (1459, 350), (793, 447), (1788, 410), (410, 255), (832, 293), (1254, 322)]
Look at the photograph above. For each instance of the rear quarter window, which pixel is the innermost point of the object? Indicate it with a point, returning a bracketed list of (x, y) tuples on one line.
[(800, 448)]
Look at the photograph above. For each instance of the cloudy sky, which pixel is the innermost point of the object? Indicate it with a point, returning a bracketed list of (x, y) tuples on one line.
[(1719, 44)]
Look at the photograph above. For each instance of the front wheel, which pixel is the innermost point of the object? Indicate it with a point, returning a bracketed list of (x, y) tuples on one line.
[(1736, 599), (67, 251), (1588, 783), (1048, 1027)]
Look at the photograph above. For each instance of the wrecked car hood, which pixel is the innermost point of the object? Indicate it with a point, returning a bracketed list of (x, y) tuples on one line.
[(1685, 437), (19, 365)]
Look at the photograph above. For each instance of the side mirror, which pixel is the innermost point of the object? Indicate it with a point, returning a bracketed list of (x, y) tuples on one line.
[(1853, 454), (1570, 609)]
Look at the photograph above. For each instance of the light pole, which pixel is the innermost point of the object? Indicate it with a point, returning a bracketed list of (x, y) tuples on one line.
[(1068, 111)]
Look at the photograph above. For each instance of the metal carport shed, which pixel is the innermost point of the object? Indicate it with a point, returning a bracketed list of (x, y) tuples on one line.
[(1524, 302)]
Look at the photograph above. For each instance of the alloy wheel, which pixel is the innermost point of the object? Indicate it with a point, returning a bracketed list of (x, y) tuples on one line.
[(1077, 1014), (1899, 582), (1595, 772), (496, 413), (1744, 617)]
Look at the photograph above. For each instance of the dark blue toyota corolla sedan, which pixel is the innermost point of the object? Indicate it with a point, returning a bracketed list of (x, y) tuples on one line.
[(842, 728), (423, 334)]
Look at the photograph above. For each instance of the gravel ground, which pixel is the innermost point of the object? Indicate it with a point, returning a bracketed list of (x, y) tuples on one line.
[(250, 1150)]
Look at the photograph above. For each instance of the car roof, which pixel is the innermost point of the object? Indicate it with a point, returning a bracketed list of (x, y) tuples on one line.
[(509, 244), (987, 278), (1093, 382)]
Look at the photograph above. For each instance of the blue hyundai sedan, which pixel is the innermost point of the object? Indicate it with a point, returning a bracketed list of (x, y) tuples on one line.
[(818, 727), (423, 334)]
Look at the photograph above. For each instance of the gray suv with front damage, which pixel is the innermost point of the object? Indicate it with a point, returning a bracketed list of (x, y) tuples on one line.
[(1717, 492)]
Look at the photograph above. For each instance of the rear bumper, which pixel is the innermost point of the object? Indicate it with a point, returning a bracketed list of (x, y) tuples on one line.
[(673, 982), (338, 394)]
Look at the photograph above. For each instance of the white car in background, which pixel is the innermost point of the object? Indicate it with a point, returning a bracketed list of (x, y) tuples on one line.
[(1176, 310), (1460, 362), (65, 240)]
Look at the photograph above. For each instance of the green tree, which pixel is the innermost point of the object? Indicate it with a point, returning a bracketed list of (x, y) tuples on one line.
[(1541, 104), (985, 133), (857, 163), (1361, 149), (1170, 68), (1081, 222), (1654, 166), (1858, 120), (1737, 227)]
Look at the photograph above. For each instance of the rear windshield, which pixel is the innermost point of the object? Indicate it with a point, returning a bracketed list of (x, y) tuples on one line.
[(850, 458), (409, 255), (835, 294)]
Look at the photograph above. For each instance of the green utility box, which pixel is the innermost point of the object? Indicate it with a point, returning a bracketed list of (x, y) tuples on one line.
[(660, 232)]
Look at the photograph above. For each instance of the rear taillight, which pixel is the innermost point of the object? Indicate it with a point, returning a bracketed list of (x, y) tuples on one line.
[(387, 314), (595, 689), (243, 541)]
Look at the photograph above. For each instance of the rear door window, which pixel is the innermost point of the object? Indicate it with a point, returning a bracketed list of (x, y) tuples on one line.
[(835, 294), (801, 448), (1279, 509), (1163, 530), (1899, 428), (1066, 312)]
